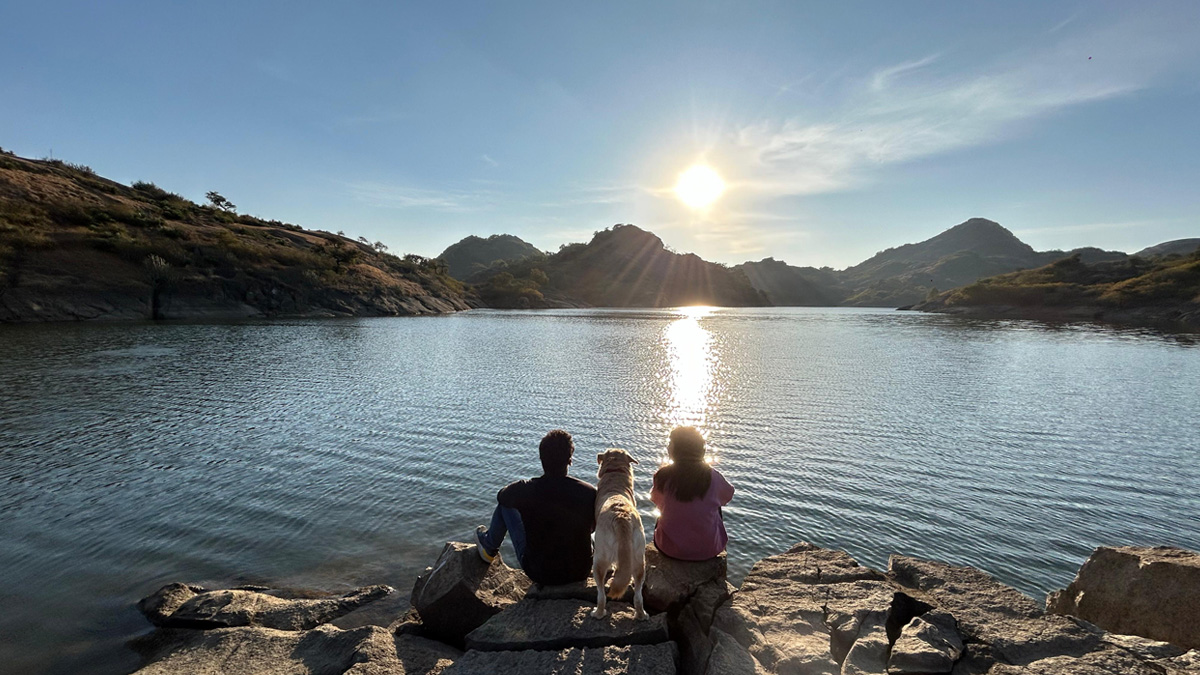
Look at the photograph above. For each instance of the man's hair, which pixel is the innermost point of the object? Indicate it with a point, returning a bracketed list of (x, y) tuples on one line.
[(555, 451)]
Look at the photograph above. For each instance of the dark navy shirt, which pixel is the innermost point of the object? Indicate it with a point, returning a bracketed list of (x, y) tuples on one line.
[(559, 514)]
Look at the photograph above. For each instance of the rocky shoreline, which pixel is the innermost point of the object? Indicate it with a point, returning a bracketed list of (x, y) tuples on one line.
[(1171, 318), (807, 610)]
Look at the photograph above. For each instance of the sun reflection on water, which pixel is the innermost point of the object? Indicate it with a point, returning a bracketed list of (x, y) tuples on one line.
[(693, 363)]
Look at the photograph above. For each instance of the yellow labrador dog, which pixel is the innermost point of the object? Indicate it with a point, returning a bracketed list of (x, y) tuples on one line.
[(620, 539)]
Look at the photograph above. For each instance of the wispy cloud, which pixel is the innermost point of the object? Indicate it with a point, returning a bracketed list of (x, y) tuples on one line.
[(919, 108), (487, 159), (392, 196), (880, 80)]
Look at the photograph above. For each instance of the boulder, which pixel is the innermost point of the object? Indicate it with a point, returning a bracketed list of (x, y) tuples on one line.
[(370, 650), (670, 582), (930, 643), (460, 592), (803, 611), (869, 653), (1010, 626), (690, 625), (551, 625), (656, 659), (729, 657), (182, 606), (1137, 590)]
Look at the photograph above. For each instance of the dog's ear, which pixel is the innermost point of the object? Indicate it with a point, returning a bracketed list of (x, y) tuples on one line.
[(599, 459), (633, 461)]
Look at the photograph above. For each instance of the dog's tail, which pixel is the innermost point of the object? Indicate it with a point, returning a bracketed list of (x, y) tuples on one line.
[(623, 527)]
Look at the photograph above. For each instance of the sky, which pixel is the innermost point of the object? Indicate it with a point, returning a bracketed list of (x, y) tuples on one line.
[(840, 129)]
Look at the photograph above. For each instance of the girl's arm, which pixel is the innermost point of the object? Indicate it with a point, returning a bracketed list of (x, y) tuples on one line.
[(724, 489), (656, 496)]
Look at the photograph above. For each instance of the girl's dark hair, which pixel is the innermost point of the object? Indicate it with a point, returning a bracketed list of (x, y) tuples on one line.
[(689, 476)]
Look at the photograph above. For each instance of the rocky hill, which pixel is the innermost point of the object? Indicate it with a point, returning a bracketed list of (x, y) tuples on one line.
[(912, 273), (790, 286), (1163, 290), (474, 254), (1176, 247), (74, 245), (623, 266)]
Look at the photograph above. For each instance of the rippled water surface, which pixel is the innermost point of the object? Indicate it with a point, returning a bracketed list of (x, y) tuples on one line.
[(337, 453)]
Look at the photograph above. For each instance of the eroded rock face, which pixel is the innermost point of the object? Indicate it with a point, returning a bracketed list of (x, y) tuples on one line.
[(803, 611), (1137, 590), (551, 625), (1005, 625), (656, 659), (183, 606), (370, 650), (460, 592)]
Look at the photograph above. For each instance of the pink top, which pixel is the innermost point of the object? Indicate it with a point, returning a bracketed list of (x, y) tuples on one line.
[(692, 530)]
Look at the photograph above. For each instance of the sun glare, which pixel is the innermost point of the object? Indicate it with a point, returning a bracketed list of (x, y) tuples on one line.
[(699, 186)]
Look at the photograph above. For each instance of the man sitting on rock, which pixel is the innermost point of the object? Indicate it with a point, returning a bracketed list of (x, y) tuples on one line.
[(550, 519)]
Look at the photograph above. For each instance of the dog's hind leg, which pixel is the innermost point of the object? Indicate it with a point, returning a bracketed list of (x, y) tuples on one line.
[(598, 573), (639, 573)]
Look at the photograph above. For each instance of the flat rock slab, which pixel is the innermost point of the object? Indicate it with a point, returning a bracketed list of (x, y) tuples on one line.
[(552, 625), (656, 659), (1153, 592), (584, 591), (805, 611), (183, 606), (325, 650)]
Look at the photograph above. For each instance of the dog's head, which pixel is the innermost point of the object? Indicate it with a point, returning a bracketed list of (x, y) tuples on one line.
[(615, 459)]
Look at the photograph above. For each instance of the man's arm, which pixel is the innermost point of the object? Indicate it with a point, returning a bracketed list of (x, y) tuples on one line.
[(511, 495)]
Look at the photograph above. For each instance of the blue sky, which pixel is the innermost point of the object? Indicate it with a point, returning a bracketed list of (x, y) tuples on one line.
[(841, 128)]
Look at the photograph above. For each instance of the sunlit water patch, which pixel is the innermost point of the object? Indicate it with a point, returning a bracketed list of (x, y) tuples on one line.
[(330, 454)]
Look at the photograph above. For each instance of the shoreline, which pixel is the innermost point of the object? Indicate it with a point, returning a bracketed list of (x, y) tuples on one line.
[(811, 607)]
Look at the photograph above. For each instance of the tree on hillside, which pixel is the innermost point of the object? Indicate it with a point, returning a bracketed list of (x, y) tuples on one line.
[(220, 202)]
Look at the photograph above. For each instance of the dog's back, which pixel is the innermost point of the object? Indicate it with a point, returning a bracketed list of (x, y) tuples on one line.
[(620, 539)]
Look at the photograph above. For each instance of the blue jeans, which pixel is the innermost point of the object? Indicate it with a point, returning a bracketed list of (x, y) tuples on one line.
[(505, 520)]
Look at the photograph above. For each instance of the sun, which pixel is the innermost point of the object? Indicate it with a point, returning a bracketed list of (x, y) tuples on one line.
[(699, 186)]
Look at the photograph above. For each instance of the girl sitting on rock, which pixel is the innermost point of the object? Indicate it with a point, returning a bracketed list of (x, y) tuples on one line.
[(689, 494)]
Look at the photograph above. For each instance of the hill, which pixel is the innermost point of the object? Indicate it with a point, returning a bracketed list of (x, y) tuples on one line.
[(1163, 290), (790, 286), (1176, 247), (908, 274), (74, 245), (474, 254), (623, 266), (966, 252)]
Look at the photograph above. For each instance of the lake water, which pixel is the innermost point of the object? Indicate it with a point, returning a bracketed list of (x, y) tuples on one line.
[(334, 453)]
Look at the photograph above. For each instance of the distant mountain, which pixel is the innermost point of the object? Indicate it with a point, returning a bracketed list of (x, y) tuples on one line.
[(1143, 290), (791, 286), (1176, 247), (985, 238), (473, 254), (74, 246), (909, 274), (624, 266), (960, 255)]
